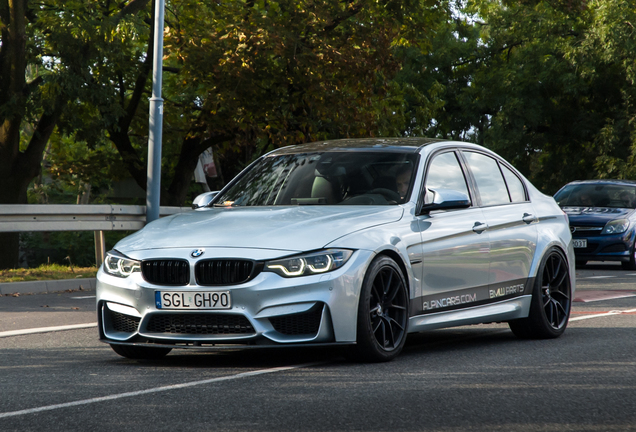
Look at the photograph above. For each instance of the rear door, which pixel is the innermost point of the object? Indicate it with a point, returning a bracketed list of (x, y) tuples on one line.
[(512, 224)]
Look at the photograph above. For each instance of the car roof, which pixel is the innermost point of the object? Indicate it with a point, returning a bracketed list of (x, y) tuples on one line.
[(404, 145), (604, 181)]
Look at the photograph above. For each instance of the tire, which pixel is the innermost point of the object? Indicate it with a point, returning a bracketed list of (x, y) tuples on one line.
[(382, 313), (140, 353), (551, 300), (631, 264)]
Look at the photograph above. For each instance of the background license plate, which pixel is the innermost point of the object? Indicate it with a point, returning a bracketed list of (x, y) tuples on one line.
[(193, 300), (580, 243)]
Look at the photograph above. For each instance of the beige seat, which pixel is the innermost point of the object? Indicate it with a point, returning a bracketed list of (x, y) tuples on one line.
[(322, 188)]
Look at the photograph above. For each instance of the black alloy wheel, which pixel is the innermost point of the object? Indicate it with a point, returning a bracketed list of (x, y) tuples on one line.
[(555, 291), (551, 300), (382, 312)]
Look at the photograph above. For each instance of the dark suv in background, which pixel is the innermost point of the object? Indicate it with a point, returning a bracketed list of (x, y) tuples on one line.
[(602, 219)]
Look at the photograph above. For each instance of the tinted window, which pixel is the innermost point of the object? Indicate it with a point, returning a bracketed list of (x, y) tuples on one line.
[(445, 172), (515, 187), (324, 178), (490, 182)]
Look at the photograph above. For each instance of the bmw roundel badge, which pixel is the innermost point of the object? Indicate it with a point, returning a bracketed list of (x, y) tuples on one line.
[(197, 253)]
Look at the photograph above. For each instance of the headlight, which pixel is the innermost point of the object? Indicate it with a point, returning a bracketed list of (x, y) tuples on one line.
[(309, 264), (617, 226), (119, 265)]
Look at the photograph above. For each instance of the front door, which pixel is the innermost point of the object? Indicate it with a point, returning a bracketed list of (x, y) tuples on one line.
[(455, 245)]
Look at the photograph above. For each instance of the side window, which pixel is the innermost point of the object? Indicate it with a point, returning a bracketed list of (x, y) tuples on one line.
[(490, 182), (444, 172), (515, 187)]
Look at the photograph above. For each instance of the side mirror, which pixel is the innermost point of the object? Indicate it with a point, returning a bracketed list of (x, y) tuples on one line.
[(204, 199), (445, 199)]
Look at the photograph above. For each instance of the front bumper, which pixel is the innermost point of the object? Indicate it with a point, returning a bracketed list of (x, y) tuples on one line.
[(605, 247), (269, 310)]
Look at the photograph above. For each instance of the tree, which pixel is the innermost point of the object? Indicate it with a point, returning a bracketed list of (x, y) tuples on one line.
[(248, 76), (243, 77), (56, 50), (547, 84)]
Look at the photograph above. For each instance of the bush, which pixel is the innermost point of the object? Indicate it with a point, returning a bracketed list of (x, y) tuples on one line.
[(75, 248)]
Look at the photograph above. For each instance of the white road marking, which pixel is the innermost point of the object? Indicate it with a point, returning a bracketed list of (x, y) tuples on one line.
[(598, 277), (193, 383), (84, 297), (46, 329), (154, 390), (630, 274), (600, 315)]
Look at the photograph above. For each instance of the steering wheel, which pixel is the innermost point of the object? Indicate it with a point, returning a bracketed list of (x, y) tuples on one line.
[(388, 194)]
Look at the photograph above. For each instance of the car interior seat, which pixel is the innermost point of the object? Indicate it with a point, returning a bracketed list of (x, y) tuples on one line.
[(323, 188), (385, 182)]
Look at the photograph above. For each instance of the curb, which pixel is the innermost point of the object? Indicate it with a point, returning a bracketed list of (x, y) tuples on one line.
[(35, 287)]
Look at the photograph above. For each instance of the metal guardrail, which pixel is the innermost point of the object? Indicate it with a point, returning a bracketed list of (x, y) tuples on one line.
[(70, 217)]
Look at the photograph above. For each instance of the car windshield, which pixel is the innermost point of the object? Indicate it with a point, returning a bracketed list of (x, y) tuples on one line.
[(324, 178), (597, 195)]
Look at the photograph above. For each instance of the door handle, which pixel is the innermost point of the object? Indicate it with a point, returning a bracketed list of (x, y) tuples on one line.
[(528, 218), (480, 227)]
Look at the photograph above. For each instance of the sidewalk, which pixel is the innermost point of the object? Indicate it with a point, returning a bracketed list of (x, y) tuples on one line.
[(49, 286)]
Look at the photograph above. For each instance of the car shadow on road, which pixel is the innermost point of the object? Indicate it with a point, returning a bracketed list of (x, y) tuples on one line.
[(241, 358), (417, 344)]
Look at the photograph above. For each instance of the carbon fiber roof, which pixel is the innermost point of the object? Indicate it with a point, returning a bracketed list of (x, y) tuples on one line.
[(406, 145)]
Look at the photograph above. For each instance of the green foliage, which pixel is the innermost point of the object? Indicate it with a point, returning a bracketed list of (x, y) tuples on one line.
[(75, 248), (244, 77), (277, 73), (547, 84), (62, 248)]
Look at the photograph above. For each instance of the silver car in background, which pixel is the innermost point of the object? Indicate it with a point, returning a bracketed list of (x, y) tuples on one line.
[(354, 242)]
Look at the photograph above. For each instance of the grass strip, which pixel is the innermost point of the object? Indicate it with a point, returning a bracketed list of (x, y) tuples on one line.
[(47, 272)]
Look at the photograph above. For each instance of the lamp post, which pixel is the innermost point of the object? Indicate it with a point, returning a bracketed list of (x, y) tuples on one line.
[(155, 124)]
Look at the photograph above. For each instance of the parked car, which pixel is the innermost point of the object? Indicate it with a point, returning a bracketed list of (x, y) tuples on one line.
[(602, 219), (352, 243)]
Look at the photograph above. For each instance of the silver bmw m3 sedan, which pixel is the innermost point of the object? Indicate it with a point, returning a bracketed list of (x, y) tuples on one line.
[(354, 242)]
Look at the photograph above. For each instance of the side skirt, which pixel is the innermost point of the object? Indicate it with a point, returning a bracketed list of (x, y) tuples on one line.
[(506, 310)]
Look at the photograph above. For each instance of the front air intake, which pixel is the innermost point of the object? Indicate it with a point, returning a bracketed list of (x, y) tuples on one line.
[(121, 322), (305, 323), (198, 323)]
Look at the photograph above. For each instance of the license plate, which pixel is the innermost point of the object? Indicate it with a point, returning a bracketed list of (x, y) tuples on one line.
[(193, 300), (580, 243)]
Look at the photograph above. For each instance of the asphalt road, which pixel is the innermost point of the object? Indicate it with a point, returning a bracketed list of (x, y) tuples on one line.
[(475, 378)]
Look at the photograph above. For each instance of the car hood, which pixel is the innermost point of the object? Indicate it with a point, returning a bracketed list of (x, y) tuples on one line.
[(300, 228), (595, 216)]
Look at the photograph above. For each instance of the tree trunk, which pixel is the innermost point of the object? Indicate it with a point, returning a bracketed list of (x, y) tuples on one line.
[(191, 148), (17, 170), (13, 177), (12, 191)]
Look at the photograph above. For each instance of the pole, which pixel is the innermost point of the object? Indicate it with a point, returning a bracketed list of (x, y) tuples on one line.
[(100, 247), (155, 124)]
